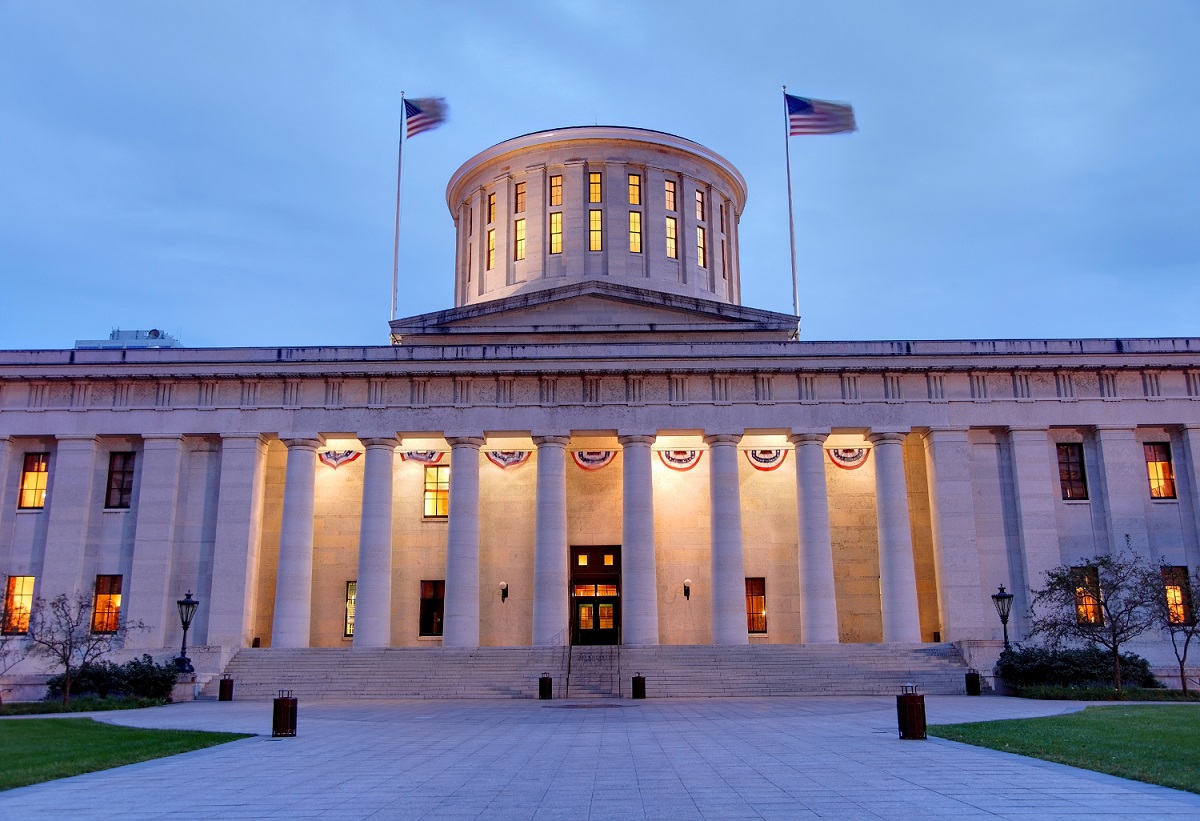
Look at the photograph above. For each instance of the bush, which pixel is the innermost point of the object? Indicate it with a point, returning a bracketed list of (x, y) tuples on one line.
[(1103, 693), (136, 678), (1083, 667)]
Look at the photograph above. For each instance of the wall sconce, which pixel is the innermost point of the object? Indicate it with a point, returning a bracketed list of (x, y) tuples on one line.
[(503, 591), (687, 589)]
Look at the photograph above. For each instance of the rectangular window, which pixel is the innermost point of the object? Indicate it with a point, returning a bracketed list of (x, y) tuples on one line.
[(351, 599), (635, 231), (519, 196), (701, 250), (594, 192), (669, 194), (437, 491), (724, 270), (33, 481), (491, 249), (556, 232), (433, 602), (18, 602), (470, 221), (756, 605), (672, 250), (519, 239), (1179, 595), (120, 480), (106, 609), (700, 206), (1087, 595), (1071, 476), (1158, 467), (724, 222), (491, 209), (595, 230), (556, 189), (635, 189)]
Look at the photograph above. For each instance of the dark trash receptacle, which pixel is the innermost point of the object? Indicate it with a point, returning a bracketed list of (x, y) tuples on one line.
[(283, 719), (225, 689), (910, 713), (639, 686), (972, 682), (545, 688)]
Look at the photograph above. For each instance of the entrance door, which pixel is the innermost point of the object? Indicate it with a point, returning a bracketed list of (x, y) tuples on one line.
[(595, 595)]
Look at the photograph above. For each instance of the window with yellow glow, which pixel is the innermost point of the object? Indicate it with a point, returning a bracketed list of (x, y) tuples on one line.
[(672, 250), (605, 611), (701, 248), (756, 605), (1158, 468), (585, 617), (519, 198), (351, 601), (519, 239), (1087, 595), (34, 477), (1072, 478), (556, 189), (595, 230), (437, 491), (669, 194), (491, 208), (556, 232), (635, 232), (120, 481), (635, 189), (491, 248), (18, 602), (700, 206), (106, 608), (594, 187), (606, 590), (608, 560), (1179, 595), (582, 559)]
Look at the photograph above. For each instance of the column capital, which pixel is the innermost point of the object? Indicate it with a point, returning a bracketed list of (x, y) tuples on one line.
[(551, 440), (722, 439), (946, 433), (76, 438), (636, 439), (303, 441), (877, 437), (384, 442), (148, 438), (258, 438), (808, 437), (465, 441)]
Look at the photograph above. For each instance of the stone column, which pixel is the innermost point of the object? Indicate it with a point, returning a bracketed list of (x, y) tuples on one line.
[(373, 603), (818, 598), (461, 625), (238, 517), (149, 588), (69, 502), (1125, 488), (550, 612), (961, 598), (9, 481), (1037, 489), (1190, 465), (728, 564), (897, 573), (639, 572), (293, 579)]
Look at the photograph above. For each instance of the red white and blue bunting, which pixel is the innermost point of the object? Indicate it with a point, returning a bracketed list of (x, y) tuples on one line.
[(425, 457), (593, 459), (336, 458), (505, 459), (848, 458), (766, 459), (680, 459)]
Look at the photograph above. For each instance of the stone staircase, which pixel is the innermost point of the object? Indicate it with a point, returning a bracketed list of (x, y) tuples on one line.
[(596, 672)]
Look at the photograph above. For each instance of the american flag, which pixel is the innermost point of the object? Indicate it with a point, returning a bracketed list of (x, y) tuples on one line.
[(424, 113), (807, 116)]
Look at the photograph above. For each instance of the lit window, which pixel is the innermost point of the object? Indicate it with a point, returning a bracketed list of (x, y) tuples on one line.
[(519, 239), (18, 602), (672, 251), (594, 192), (701, 251), (351, 600), (33, 481), (433, 603), (635, 231), (1087, 595), (581, 559), (437, 491), (519, 196), (1179, 595), (1071, 476), (491, 214), (106, 609), (1158, 467), (635, 189), (120, 480), (491, 249), (756, 605), (556, 190), (595, 230), (700, 206), (608, 561), (669, 194), (556, 232)]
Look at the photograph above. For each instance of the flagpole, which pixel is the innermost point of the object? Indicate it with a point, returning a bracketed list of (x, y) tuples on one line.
[(396, 236), (787, 151)]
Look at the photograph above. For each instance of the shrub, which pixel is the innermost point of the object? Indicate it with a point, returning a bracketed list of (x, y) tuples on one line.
[(1078, 667), (1103, 693), (136, 678)]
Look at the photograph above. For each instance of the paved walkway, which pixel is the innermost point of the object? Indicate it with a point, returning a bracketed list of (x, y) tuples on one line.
[(660, 759)]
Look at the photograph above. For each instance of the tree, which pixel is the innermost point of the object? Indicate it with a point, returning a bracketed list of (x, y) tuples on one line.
[(1105, 601), (61, 630), (1175, 601)]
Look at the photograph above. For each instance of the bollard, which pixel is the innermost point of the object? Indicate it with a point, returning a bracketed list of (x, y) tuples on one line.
[(639, 685), (225, 688), (283, 719), (910, 713), (972, 682), (545, 687)]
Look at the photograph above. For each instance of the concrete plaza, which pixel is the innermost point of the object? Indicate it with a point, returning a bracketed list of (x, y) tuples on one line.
[(663, 759)]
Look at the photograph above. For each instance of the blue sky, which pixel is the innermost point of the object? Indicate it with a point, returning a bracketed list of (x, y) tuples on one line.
[(226, 170)]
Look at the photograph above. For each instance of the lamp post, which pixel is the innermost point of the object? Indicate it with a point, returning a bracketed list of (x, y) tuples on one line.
[(187, 609), (1003, 601)]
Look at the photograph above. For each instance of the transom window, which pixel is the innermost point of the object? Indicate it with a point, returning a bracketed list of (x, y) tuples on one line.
[(1087, 595), (437, 491), (519, 198), (433, 604), (635, 231), (106, 608), (595, 192), (556, 189), (351, 601), (635, 189), (34, 477), (556, 232), (756, 605), (18, 603), (595, 230), (672, 246), (1159, 470), (669, 194), (120, 480), (1072, 478), (1178, 590), (519, 239)]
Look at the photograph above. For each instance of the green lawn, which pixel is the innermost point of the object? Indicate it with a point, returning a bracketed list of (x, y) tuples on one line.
[(1157, 744), (42, 749)]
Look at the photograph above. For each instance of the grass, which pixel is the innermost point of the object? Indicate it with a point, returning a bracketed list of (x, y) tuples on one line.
[(1155, 744), (36, 750), (84, 704)]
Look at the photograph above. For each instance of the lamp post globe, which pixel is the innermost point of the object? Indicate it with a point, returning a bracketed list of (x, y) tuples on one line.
[(187, 610), (1003, 601)]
